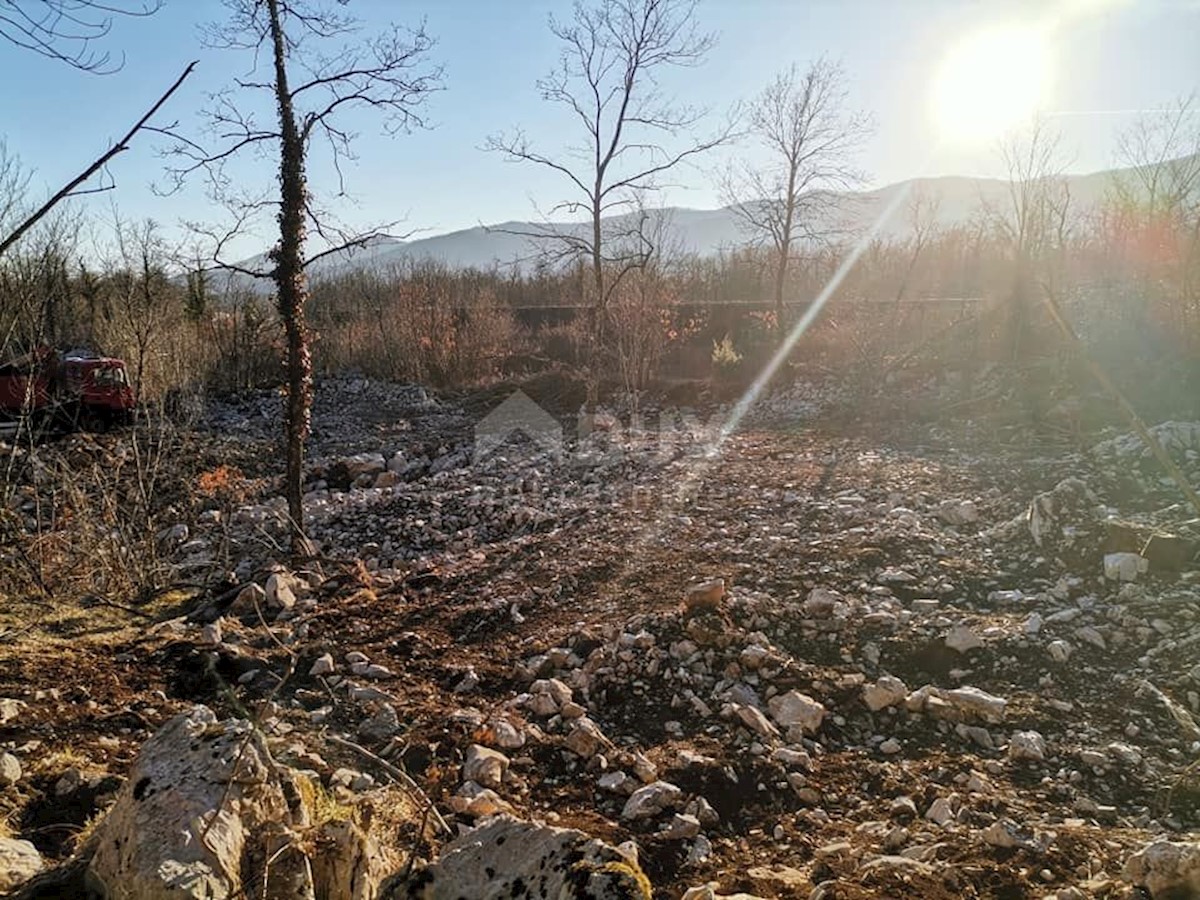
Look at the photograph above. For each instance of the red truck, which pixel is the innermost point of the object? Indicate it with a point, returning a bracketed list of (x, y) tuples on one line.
[(66, 390)]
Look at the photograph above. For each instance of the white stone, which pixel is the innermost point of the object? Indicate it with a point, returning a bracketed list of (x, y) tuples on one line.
[(485, 766), (474, 800), (192, 769), (940, 812), (682, 827), (823, 603), (508, 735), (651, 799), (617, 782), (1001, 833), (886, 691), (1060, 651), (797, 709), (972, 700), (586, 739), (1166, 869), (10, 770), (753, 719), (279, 592), (1125, 566), (19, 861), (323, 665), (962, 638), (504, 853), (958, 512), (1027, 745)]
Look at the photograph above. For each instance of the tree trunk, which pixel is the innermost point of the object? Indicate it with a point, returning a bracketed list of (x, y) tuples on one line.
[(781, 266), (785, 247), (597, 312), (291, 286)]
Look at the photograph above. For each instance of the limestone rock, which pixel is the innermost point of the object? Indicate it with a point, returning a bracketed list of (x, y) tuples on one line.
[(753, 719), (963, 639), (19, 861), (886, 691), (485, 766), (797, 709), (279, 592), (10, 770), (958, 512), (651, 799), (203, 809), (508, 858), (972, 701), (586, 739), (1027, 745), (1166, 869)]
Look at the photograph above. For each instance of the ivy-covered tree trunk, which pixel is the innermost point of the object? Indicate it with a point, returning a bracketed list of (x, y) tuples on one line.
[(291, 286)]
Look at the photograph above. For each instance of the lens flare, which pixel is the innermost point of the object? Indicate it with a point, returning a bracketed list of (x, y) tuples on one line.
[(991, 82)]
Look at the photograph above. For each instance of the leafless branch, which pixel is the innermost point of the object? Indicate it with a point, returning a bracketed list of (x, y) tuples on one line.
[(67, 30), (118, 147)]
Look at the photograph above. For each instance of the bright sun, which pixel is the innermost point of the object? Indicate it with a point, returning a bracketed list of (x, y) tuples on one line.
[(990, 82)]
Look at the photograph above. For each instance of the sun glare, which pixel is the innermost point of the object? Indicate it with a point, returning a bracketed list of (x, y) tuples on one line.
[(991, 82)]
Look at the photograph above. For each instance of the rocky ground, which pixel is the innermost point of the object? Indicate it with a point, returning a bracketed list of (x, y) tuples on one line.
[(818, 658)]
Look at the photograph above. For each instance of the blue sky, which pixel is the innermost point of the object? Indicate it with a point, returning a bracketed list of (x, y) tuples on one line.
[(1107, 56)]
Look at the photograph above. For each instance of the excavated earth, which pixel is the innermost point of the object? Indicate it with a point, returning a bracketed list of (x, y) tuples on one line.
[(909, 684)]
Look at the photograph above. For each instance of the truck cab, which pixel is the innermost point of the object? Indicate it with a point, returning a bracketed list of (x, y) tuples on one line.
[(70, 389), (99, 384)]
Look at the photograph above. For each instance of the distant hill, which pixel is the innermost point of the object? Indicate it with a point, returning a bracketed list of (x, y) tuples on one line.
[(703, 232)]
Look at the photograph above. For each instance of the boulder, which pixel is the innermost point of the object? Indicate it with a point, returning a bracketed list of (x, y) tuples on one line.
[(1060, 517), (202, 811), (507, 857), (1166, 869), (19, 861), (207, 813)]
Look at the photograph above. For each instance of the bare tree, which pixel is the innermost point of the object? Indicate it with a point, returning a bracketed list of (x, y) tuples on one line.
[(141, 293), (606, 79), (1155, 202), (14, 183), (1036, 218), (810, 139), (923, 209), (68, 30), (311, 89), (1161, 153), (1033, 228), (642, 308)]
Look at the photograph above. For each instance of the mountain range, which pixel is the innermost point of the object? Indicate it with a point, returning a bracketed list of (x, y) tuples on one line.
[(704, 232)]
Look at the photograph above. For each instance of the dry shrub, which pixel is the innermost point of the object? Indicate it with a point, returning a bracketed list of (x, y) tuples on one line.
[(641, 313), (82, 519), (413, 329)]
